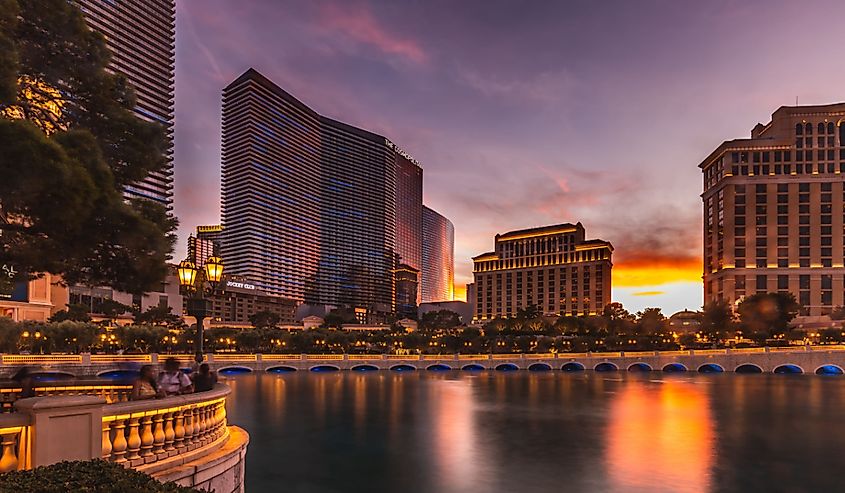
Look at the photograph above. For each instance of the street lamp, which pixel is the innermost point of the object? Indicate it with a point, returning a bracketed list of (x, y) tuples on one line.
[(197, 284)]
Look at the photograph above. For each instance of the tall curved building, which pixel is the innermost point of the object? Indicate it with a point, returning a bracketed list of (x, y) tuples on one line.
[(437, 276), (309, 203)]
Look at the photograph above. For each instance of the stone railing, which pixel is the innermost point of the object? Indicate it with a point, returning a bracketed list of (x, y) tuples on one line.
[(185, 439), (111, 392), (142, 433), (14, 433), (58, 361)]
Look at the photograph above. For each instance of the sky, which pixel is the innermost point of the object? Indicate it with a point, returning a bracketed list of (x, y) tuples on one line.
[(523, 114)]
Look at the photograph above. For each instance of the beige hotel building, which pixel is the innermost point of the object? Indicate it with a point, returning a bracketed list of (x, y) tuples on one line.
[(774, 210), (553, 267)]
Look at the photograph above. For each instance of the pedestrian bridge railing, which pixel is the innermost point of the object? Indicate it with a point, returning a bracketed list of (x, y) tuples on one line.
[(11, 360)]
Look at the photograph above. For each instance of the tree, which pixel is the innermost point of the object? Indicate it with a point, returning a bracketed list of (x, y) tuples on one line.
[(768, 312), (617, 319), (74, 312), (687, 340), (161, 315), (527, 313), (570, 325), (264, 319), (838, 313), (439, 320), (650, 321), (71, 144), (717, 318), (340, 316), (110, 309)]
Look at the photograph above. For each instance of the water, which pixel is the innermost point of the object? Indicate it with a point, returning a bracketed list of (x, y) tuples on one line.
[(491, 432)]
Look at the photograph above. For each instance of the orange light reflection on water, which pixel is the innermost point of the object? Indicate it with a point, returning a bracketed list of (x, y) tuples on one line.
[(660, 437), (455, 435)]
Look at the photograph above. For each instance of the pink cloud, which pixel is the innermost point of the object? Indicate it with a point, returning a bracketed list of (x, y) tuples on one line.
[(361, 25)]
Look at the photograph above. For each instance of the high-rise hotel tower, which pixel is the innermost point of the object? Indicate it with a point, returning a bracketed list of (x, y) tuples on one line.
[(773, 210), (553, 268), (409, 216), (437, 276), (141, 35), (309, 203)]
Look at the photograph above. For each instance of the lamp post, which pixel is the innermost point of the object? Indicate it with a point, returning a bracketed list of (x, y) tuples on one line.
[(197, 284)]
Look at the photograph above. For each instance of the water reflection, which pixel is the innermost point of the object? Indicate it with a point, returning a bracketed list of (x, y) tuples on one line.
[(454, 438), (660, 437), (494, 432)]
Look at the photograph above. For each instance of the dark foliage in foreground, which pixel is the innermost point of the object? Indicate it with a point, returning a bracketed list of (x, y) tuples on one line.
[(95, 476)]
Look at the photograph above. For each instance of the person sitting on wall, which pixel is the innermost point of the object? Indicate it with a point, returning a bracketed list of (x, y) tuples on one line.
[(23, 377), (204, 379), (172, 381), (145, 387)]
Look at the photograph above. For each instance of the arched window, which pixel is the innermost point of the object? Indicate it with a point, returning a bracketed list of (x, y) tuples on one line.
[(809, 129), (821, 128), (799, 129), (841, 133), (830, 128)]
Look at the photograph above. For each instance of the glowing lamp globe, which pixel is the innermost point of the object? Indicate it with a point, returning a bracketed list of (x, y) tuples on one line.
[(214, 270), (187, 274)]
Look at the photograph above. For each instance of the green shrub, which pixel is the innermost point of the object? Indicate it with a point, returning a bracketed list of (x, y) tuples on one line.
[(94, 476)]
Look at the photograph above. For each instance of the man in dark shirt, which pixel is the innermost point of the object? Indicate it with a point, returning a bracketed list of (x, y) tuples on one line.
[(204, 379)]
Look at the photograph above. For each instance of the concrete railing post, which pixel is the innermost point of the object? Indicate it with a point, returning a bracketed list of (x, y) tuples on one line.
[(154, 358), (64, 427), (86, 359)]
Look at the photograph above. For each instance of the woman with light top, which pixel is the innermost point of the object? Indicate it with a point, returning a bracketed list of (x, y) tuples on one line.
[(172, 381)]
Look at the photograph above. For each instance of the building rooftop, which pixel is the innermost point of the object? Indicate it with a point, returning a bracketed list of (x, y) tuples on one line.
[(760, 137), (256, 76), (542, 230)]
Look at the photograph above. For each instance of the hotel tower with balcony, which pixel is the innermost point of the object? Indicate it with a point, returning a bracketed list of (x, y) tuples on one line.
[(553, 268), (773, 210)]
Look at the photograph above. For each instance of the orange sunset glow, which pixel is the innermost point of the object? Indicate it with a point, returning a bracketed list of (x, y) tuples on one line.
[(640, 273), (661, 433)]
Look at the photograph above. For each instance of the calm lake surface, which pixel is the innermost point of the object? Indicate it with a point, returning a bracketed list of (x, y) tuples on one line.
[(491, 432)]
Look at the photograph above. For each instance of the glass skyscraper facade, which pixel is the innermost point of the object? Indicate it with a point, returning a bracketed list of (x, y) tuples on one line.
[(309, 203), (437, 276), (141, 35), (409, 213)]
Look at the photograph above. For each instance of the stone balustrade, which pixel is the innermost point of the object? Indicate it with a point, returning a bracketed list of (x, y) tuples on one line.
[(111, 392), (185, 439), (142, 433), (14, 433), (810, 359)]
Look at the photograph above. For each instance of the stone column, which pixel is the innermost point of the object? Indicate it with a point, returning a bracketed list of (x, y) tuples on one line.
[(64, 427)]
